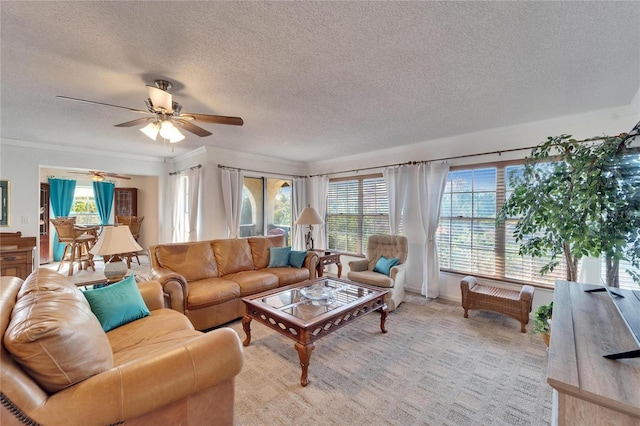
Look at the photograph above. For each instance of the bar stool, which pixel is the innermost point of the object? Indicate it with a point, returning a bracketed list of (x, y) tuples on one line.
[(77, 244)]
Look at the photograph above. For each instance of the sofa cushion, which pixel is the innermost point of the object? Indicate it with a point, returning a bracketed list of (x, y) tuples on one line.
[(260, 248), (194, 261), (232, 255), (153, 334), (278, 257), (252, 282), (54, 335), (117, 304), (288, 275), (212, 291)]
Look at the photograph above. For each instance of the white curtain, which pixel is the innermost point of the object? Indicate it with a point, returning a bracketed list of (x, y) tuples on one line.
[(395, 179), (299, 202), (317, 198), (232, 185), (193, 176), (185, 189), (431, 182)]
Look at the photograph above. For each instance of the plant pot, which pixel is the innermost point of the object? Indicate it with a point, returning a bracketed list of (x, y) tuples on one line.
[(547, 338)]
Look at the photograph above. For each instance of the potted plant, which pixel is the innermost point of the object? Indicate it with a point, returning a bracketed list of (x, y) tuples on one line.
[(542, 322), (576, 199)]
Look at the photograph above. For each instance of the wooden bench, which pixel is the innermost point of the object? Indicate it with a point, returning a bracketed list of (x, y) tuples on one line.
[(516, 304)]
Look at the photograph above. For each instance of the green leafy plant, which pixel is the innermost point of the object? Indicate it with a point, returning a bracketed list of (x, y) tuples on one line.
[(541, 319), (576, 199)]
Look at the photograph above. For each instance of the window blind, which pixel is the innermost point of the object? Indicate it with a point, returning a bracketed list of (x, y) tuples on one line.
[(356, 208)]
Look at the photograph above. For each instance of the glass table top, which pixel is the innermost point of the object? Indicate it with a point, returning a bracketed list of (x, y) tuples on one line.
[(316, 299)]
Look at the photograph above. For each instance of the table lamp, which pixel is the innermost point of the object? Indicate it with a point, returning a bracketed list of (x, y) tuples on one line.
[(115, 240), (309, 216)]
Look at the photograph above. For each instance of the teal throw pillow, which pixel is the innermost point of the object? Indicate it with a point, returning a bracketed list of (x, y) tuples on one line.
[(117, 304), (296, 258), (278, 256), (384, 265)]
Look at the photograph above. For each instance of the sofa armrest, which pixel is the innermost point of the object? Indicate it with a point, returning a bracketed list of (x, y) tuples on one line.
[(151, 292), (148, 383), (359, 265), (173, 285), (311, 263)]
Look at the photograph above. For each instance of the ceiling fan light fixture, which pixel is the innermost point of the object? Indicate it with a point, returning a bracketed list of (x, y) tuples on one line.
[(151, 130), (166, 129), (176, 137)]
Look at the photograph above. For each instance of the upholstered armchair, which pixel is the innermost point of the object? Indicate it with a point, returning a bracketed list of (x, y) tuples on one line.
[(376, 271)]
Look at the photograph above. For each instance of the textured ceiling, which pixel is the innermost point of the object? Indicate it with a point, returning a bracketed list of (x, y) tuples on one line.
[(311, 79)]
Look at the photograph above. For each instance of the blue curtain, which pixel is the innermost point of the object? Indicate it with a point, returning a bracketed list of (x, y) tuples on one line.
[(103, 194), (61, 192)]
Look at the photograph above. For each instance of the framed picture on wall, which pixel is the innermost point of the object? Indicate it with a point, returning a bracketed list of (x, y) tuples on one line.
[(4, 199)]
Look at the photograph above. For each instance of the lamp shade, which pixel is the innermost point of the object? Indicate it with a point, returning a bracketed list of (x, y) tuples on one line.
[(309, 216), (115, 240), (151, 130)]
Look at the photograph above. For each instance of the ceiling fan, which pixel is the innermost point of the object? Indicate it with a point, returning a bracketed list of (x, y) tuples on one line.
[(164, 115), (100, 176)]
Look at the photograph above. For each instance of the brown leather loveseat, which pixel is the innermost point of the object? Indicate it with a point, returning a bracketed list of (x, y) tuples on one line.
[(207, 280), (58, 366)]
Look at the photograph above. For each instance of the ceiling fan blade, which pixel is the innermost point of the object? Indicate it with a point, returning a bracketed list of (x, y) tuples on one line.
[(192, 128), (134, 122), (115, 175), (160, 99), (217, 119), (101, 103)]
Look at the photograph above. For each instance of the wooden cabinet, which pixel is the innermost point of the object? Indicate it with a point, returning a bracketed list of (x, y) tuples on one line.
[(44, 223), (126, 201), (16, 255), (588, 388)]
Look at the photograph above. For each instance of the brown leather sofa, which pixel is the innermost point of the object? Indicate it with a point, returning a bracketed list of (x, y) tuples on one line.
[(207, 280), (153, 370)]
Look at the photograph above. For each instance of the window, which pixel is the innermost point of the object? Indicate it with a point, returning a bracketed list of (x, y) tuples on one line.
[(84, 206), (467, 237), (266, 201), (357, 207)]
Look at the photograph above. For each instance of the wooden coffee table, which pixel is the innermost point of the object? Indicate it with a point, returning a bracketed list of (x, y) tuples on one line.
[(304, 320)]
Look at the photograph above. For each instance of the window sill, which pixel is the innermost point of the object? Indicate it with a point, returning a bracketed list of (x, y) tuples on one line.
[(501, 280)]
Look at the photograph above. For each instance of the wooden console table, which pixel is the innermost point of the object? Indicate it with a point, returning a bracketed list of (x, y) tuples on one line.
[(17, 254), (590, 389)]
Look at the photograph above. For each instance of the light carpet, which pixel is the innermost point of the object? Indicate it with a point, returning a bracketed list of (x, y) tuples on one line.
[(433, 367)]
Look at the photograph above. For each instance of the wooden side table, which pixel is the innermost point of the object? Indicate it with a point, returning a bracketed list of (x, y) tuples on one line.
[(328, 257)]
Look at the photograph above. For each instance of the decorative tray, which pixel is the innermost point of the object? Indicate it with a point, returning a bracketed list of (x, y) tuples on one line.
[(317, 293)]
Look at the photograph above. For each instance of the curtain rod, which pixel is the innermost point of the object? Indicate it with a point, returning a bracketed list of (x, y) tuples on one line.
[(633, 133), (221, 166), (624, 136), (188, 168)]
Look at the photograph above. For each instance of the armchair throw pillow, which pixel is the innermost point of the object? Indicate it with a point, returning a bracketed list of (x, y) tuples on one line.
[(384, 265)]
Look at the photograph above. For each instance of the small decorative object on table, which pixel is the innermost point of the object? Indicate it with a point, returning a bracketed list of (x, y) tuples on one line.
[(318, 293)]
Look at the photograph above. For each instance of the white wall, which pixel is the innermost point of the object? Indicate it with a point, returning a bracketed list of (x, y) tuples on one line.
[(212, 217), (606, 122), (20, 163)]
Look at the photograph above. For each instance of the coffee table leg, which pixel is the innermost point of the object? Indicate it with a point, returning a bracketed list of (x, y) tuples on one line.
[(383, 317), (304, 353), (246, 326)]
